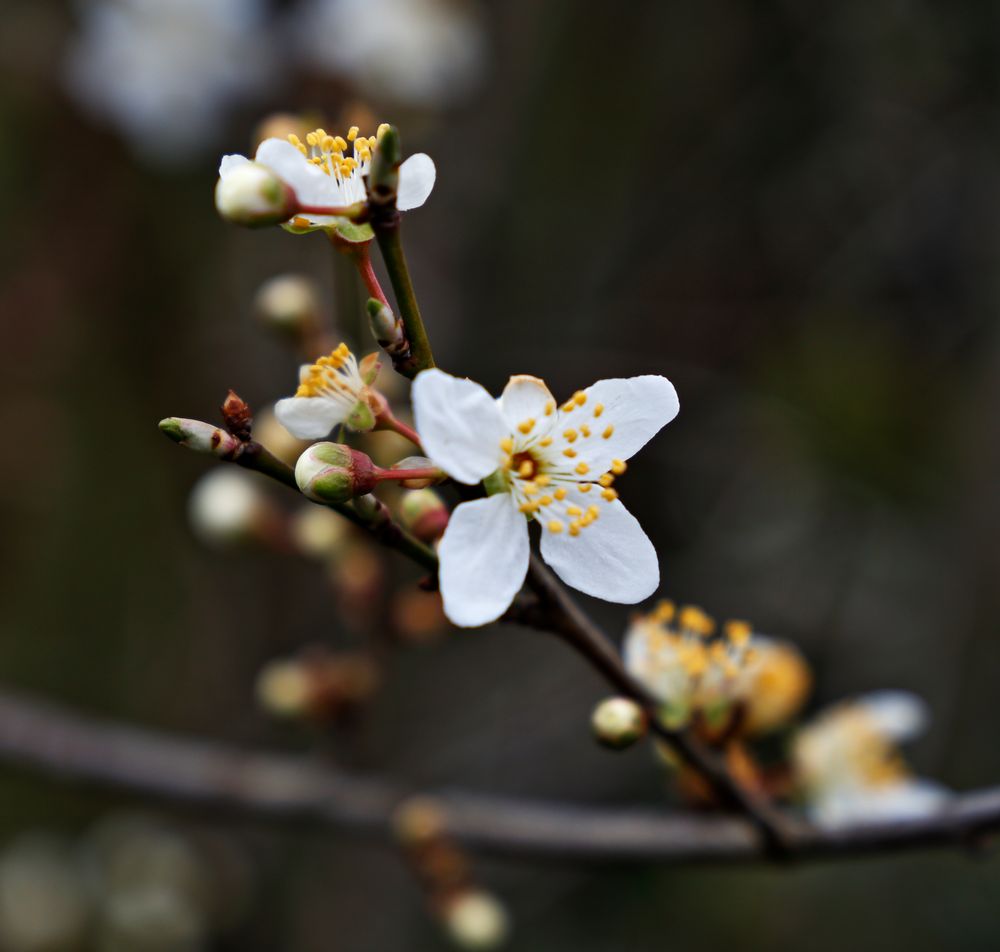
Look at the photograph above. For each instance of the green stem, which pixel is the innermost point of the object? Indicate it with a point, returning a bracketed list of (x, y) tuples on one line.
[(387, 235)]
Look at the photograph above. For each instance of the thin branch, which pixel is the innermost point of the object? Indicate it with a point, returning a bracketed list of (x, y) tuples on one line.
[(558, 613), (285, 789)]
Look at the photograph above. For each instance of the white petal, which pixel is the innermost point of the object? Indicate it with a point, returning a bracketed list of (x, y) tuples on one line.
[(312, 186), (611, 559), (230, 162), (898, 715), (460, 425), (308, 418), (633, 410), (416, 179), (484, 559), (526, 397)]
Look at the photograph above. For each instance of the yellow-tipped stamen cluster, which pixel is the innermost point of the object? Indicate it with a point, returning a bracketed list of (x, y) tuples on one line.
[(339, 156), (556, 449), (335, 376), (678, 655)]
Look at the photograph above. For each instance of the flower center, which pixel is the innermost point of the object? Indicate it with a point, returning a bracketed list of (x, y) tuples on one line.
[(525, 465), (338, 156), (338, 371)]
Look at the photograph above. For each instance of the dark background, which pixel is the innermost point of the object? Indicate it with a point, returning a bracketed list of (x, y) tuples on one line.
[(789, 210)]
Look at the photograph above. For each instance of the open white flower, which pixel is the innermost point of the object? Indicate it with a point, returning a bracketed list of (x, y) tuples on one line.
[(328, 171), (552, 463), (334, 390), (849, 768)]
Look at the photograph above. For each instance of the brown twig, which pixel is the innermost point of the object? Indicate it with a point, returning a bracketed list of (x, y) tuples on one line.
[(295, 790)]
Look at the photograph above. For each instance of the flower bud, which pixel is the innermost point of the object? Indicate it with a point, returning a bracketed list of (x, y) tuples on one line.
[(475, 920), (200, 437), (618, 722), (251, 194), (319, 685), (288, 303), (333, 473), (226, 508), (387, 329), (424, 513)]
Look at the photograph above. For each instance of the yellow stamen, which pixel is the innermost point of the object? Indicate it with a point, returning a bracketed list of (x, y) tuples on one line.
[(574, 511), (664, 610), (579, 398), (549, 407), (608, 430), (574, 528), (618, 466), (598, 409), (525, 469), (582, 468), (545, 501), (543, 479), (609, 494), (352, 133), (507, 444), (555, 526), (526, 426), (584, 430), (585, 487), (570, 435), (560, 494), (606, 480), (569, 452), (545, 441), (738, 632)]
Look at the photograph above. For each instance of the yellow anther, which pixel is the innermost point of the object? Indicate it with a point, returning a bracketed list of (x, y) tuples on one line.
[(529, 489), (372, 142), (664, 611), (593, 511), (584, 430), (582, 468), (525, 469), (545, 501), (352, 133), (526, 426), (608, 430), (555, 526), (609, 494), (606, 480), (568, 407), (506, 462), (598, 409), (571, 435), (570, 452), (549, 407), (507, 444), (381, 131), (560, 494), (543, 479), (312, 138), (692, 618), (587, 519), (299, 222), (585, 487), (294, 139), (618, 466), (574, 511), (579, 398), (738, 632), (528, 507), (545, 441), (339, 143), (574, 528), (328, 144)]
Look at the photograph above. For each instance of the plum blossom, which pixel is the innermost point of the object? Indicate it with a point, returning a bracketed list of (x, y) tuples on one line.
[(554, 464), (334, 390), (327, 171), (848, 766)]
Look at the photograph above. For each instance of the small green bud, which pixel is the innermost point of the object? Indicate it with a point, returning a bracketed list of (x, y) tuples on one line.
[(251, 194), (387, 329), (384, 174), (200, 437), (618, 722), (424, 513), (334, 473)]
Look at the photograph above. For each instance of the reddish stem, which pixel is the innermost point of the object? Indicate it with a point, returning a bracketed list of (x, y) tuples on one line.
[(363, 261), (427, 472), (386, 421)]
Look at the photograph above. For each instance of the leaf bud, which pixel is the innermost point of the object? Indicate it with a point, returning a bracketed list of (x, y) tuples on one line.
[(200, 437), (618, 722), (334, 473)]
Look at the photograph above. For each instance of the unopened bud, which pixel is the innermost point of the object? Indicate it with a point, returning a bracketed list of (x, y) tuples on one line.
[(319, 685), (200, 437), (226, 508), (618, 722), (333, 473), (288, 303), (476, 920), (251, 194), (418, 820), (383, 177), (318, 532), (424, 513)]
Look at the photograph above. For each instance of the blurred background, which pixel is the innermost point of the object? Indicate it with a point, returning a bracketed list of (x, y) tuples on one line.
[(791, 212)]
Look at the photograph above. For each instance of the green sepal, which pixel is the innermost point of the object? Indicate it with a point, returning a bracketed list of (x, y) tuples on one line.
[(361, 419), (495, 483)]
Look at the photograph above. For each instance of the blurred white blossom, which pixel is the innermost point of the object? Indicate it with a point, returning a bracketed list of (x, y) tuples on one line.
[(408, 52), (164, 72)]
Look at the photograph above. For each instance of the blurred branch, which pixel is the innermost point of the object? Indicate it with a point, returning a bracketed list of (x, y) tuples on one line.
[(276, 788)]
